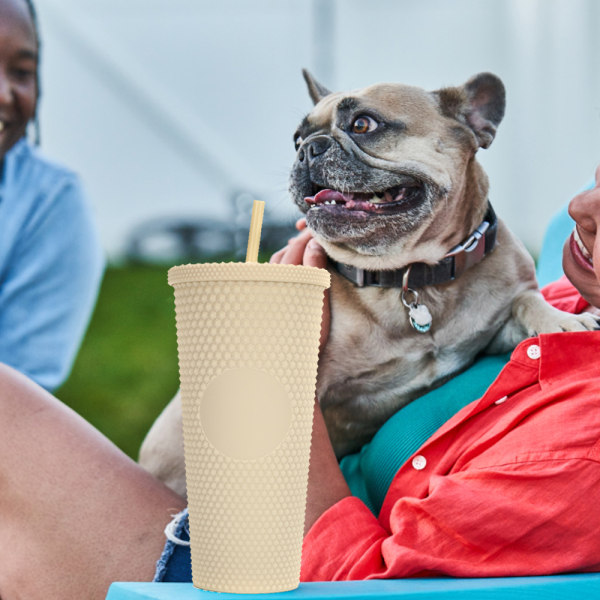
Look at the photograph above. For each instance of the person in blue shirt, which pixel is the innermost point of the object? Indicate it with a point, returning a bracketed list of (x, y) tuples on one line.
[(51, 261)]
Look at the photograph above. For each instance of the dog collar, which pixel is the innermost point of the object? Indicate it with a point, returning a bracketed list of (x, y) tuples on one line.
[(468, 253)]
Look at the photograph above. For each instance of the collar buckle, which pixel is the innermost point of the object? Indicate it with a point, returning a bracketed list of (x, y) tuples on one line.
[(470, 252), (360, 277)]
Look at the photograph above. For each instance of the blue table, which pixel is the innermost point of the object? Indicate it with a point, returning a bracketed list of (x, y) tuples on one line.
[(553, 587)]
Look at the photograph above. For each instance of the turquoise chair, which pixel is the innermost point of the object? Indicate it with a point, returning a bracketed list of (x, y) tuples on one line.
[(549, 266), (552, 587), (555, 587)]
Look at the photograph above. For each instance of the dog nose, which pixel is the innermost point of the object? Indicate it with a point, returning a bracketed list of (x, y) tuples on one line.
[(314, 148)]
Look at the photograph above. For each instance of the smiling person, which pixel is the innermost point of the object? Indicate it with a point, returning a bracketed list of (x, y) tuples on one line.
[(51, 262)]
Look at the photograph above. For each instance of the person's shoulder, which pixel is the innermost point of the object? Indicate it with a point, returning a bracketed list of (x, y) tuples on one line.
[(29, 163), (33, 186)]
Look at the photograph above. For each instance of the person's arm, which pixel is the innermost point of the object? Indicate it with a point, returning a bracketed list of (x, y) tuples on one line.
[(326, 484), (50, 286)]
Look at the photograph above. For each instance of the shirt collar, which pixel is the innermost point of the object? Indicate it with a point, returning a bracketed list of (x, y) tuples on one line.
[(545, 359), (562, 353)]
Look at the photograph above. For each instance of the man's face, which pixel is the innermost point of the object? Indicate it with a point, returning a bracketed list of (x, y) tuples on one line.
[(581, 253), (18, 72)]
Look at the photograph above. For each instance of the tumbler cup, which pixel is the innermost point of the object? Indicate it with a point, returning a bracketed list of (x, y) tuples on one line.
[(248, 342)]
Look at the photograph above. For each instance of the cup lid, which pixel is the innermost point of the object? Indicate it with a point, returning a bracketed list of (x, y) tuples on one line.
[(248, 271)]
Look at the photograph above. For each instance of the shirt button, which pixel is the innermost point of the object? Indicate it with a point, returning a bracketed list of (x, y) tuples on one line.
[(501, 400), (419, 462), (534, 351)]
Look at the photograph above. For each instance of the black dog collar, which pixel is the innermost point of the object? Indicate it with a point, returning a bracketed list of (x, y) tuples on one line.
[(468, 253)]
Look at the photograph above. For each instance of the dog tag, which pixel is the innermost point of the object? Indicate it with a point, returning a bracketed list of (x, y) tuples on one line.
[(420, 317)]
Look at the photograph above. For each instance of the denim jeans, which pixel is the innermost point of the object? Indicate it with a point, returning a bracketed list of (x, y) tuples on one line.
[(174, 564)]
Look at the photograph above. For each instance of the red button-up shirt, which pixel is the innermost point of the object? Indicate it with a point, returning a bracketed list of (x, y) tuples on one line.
[(509, 486)]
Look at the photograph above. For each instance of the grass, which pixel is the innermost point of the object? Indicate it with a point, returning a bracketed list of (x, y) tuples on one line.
[(126, 370)]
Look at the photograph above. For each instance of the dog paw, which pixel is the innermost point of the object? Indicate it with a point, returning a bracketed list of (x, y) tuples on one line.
[(582, 322), (532, 315), (559, 321), (537, 316)]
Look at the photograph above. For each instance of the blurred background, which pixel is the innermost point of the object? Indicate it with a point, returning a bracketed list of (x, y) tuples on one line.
[(177, 113)]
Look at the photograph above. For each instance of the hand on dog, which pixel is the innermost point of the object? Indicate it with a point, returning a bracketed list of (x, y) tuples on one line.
[(303, 249)]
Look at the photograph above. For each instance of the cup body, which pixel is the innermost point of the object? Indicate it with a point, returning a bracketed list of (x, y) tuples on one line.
[(248, 340)]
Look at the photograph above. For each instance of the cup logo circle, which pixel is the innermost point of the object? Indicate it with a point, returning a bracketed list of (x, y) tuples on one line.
[(245, 413)]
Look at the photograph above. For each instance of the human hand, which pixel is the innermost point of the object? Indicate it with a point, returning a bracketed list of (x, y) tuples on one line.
[(303, 249)]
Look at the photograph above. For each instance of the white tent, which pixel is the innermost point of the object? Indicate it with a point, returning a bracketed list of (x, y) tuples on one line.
[(171, 108)]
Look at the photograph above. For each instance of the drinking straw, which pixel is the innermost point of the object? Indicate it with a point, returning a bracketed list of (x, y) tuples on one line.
[(258, 209)]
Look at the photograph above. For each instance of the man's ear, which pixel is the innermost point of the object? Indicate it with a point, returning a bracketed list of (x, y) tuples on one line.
[(479, 104), (315, 89)]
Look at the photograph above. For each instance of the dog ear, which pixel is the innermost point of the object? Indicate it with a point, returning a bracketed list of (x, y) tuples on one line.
[(315, 89), (479, 104)]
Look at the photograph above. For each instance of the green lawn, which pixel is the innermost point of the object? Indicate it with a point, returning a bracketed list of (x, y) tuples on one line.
[(126, 370)]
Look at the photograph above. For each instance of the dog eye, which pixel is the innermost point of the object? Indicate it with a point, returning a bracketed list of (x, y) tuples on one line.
[(364, 124)]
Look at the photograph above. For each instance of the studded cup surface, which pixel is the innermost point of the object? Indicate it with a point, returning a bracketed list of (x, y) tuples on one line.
[(247, 513)]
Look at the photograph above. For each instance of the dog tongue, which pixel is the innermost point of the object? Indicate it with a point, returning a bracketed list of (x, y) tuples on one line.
[(326, 195)]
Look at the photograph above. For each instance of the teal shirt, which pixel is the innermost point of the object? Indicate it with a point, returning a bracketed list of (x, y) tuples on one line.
[(369, 472)]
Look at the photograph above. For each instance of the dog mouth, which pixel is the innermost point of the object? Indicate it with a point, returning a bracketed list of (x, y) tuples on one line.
[(391, 200)]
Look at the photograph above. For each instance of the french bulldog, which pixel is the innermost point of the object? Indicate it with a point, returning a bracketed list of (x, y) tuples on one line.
[(424, 275)]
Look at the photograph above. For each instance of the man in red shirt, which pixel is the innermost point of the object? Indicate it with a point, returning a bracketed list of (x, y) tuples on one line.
[(509, 486)]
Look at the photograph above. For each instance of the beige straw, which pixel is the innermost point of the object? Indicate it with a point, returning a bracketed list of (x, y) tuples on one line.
[(258, 209)]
